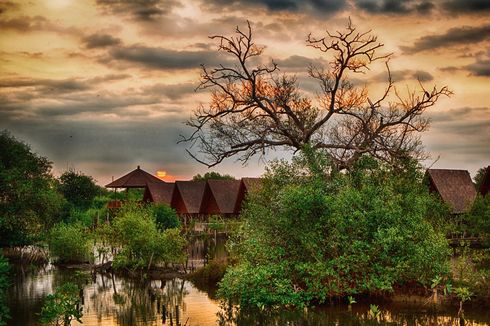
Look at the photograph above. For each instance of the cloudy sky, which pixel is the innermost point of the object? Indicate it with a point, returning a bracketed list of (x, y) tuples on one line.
[(102, 86)]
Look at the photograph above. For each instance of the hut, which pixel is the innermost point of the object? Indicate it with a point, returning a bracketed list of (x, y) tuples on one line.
[(484, 188), (188, 197), (134, 179), (247, 185), (454, 187), (221, 197), (159, 193)]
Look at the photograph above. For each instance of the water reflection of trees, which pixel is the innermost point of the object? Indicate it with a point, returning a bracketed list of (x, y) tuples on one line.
[(339, 315), (139, 301)]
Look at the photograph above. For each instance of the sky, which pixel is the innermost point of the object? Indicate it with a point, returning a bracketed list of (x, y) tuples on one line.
[(103, 86)]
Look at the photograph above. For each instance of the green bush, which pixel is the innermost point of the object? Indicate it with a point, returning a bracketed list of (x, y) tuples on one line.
[(69, 243), (63, 306), (142, 243), (4, 284), (307, 236), (166, 217)]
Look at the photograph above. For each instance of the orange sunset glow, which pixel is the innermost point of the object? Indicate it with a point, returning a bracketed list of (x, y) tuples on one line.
[(99, 84)]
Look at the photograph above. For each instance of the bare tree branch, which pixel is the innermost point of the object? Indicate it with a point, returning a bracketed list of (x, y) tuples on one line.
[(253, 109)]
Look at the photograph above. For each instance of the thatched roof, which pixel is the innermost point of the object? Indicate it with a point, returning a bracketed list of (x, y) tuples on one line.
[(159, 193), (225, 193), (252, 184), (455, 188), (134, 179), (191, 193), (485, 184)]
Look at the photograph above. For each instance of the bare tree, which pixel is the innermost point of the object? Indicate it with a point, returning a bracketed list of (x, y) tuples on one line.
[(254, 109)]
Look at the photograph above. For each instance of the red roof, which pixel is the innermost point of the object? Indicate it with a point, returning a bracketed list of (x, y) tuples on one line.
[(134, 179)]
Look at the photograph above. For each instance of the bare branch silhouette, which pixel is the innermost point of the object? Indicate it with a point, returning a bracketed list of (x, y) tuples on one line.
[(254, 109)]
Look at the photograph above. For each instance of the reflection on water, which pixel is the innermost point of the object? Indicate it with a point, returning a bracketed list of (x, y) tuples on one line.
[(113, 300), (116, 300)]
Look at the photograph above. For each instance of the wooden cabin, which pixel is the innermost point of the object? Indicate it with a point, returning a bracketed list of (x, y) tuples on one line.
[(195, 199), (455, 188)]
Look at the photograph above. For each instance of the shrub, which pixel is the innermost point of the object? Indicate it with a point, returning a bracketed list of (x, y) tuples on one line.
[(166, 217), (142, 243), (63, 306), (4, 283), (307, 237), (69, 243)]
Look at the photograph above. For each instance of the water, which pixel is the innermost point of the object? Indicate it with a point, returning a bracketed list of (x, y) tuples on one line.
[(117, 300)]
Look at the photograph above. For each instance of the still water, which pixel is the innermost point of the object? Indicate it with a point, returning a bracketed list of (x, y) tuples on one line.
[(115, 300)]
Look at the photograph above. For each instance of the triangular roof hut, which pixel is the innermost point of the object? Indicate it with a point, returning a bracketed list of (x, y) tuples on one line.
[(134, 179), (223, 194), (454, 186), (188, 196), (247, 185), (485, 184), (159, 193)]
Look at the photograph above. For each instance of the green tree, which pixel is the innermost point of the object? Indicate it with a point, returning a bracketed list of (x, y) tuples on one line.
[(4, 284), (307, 237), (63, 306), (212, 176), (480, 174), (69, 243), (79, 190), (29, 202), (142, 243), (165, 216)]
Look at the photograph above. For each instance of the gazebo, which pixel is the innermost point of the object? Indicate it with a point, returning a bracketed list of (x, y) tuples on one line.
[(137, 178)]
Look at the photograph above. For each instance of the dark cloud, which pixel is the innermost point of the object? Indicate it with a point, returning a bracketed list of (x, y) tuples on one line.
[(100, 41), (467, 6), (173, 91), (401, 75), (8, 6), (295, 62), (105, 150), (310, 6), (141, 10), (24, 23), (458, 114), (454, 36), (394, 6), (481, 67), (163, 58)]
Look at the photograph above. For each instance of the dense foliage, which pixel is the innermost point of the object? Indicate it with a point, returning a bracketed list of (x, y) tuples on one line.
[(29, 202), (4, 284), (69, 243), (142, 243), (212, 176), (307, 237), (62, 307), (166, 217), (78, 189)]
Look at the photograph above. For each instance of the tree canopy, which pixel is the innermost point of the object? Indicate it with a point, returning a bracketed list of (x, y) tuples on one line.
[(254, 109), (29, 202), (212, 176), (80, 190), (306, 238)]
